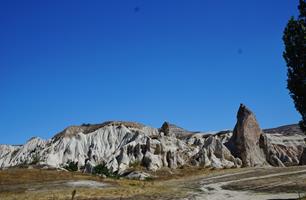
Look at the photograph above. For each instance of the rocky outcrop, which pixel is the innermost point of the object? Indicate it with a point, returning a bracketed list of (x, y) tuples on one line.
[(174, 131), (214, 154), (282, 150), (138, 175), (279, 147), (283, 145), (122, 146), (244, 143)]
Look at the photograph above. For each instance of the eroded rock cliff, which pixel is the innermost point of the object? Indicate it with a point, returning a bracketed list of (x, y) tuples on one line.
[(121, 146)]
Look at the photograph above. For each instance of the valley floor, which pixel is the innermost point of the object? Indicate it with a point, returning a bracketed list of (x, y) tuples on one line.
[(187, 183)]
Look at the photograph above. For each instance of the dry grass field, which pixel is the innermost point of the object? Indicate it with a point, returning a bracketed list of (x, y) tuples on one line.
[(50, 184), (185, 183)]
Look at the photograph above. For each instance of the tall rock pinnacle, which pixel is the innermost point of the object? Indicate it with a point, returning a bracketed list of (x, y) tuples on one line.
[(245, 140)]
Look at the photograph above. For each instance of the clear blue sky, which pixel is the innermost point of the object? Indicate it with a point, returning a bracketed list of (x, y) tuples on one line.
[(190, 62)]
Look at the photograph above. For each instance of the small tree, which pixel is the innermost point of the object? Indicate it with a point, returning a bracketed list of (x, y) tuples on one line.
[(295, 56)]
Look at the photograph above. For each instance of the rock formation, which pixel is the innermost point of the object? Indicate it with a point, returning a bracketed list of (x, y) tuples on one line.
[(277, 147), (245, 140), (121, 146), (283, 145)]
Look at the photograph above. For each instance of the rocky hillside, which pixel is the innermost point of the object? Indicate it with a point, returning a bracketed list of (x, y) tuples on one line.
[(292, 129), (120, 146)]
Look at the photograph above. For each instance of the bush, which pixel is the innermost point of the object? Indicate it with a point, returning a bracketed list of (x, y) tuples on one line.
[(72, 166), (102, 169)]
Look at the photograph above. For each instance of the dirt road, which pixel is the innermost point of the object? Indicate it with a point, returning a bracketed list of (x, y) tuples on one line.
[(253, 184)]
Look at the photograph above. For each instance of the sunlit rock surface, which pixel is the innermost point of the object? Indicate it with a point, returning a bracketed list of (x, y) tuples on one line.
[(120, 146)]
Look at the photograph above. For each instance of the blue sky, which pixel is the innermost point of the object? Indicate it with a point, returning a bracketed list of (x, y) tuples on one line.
[(190, 62)]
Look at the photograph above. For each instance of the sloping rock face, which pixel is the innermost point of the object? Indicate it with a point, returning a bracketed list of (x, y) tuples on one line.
[(285, 144), (282, 150), (245, 140), (288, 130), (213, 153)]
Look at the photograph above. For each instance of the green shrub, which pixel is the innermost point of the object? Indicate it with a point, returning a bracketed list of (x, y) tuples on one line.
[(72, 166), (103, 170)]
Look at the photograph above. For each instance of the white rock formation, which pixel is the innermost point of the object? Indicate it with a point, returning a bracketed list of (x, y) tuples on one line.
[(120, 146)]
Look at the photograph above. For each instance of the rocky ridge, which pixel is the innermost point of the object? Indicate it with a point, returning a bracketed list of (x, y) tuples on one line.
[(120, 146)]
